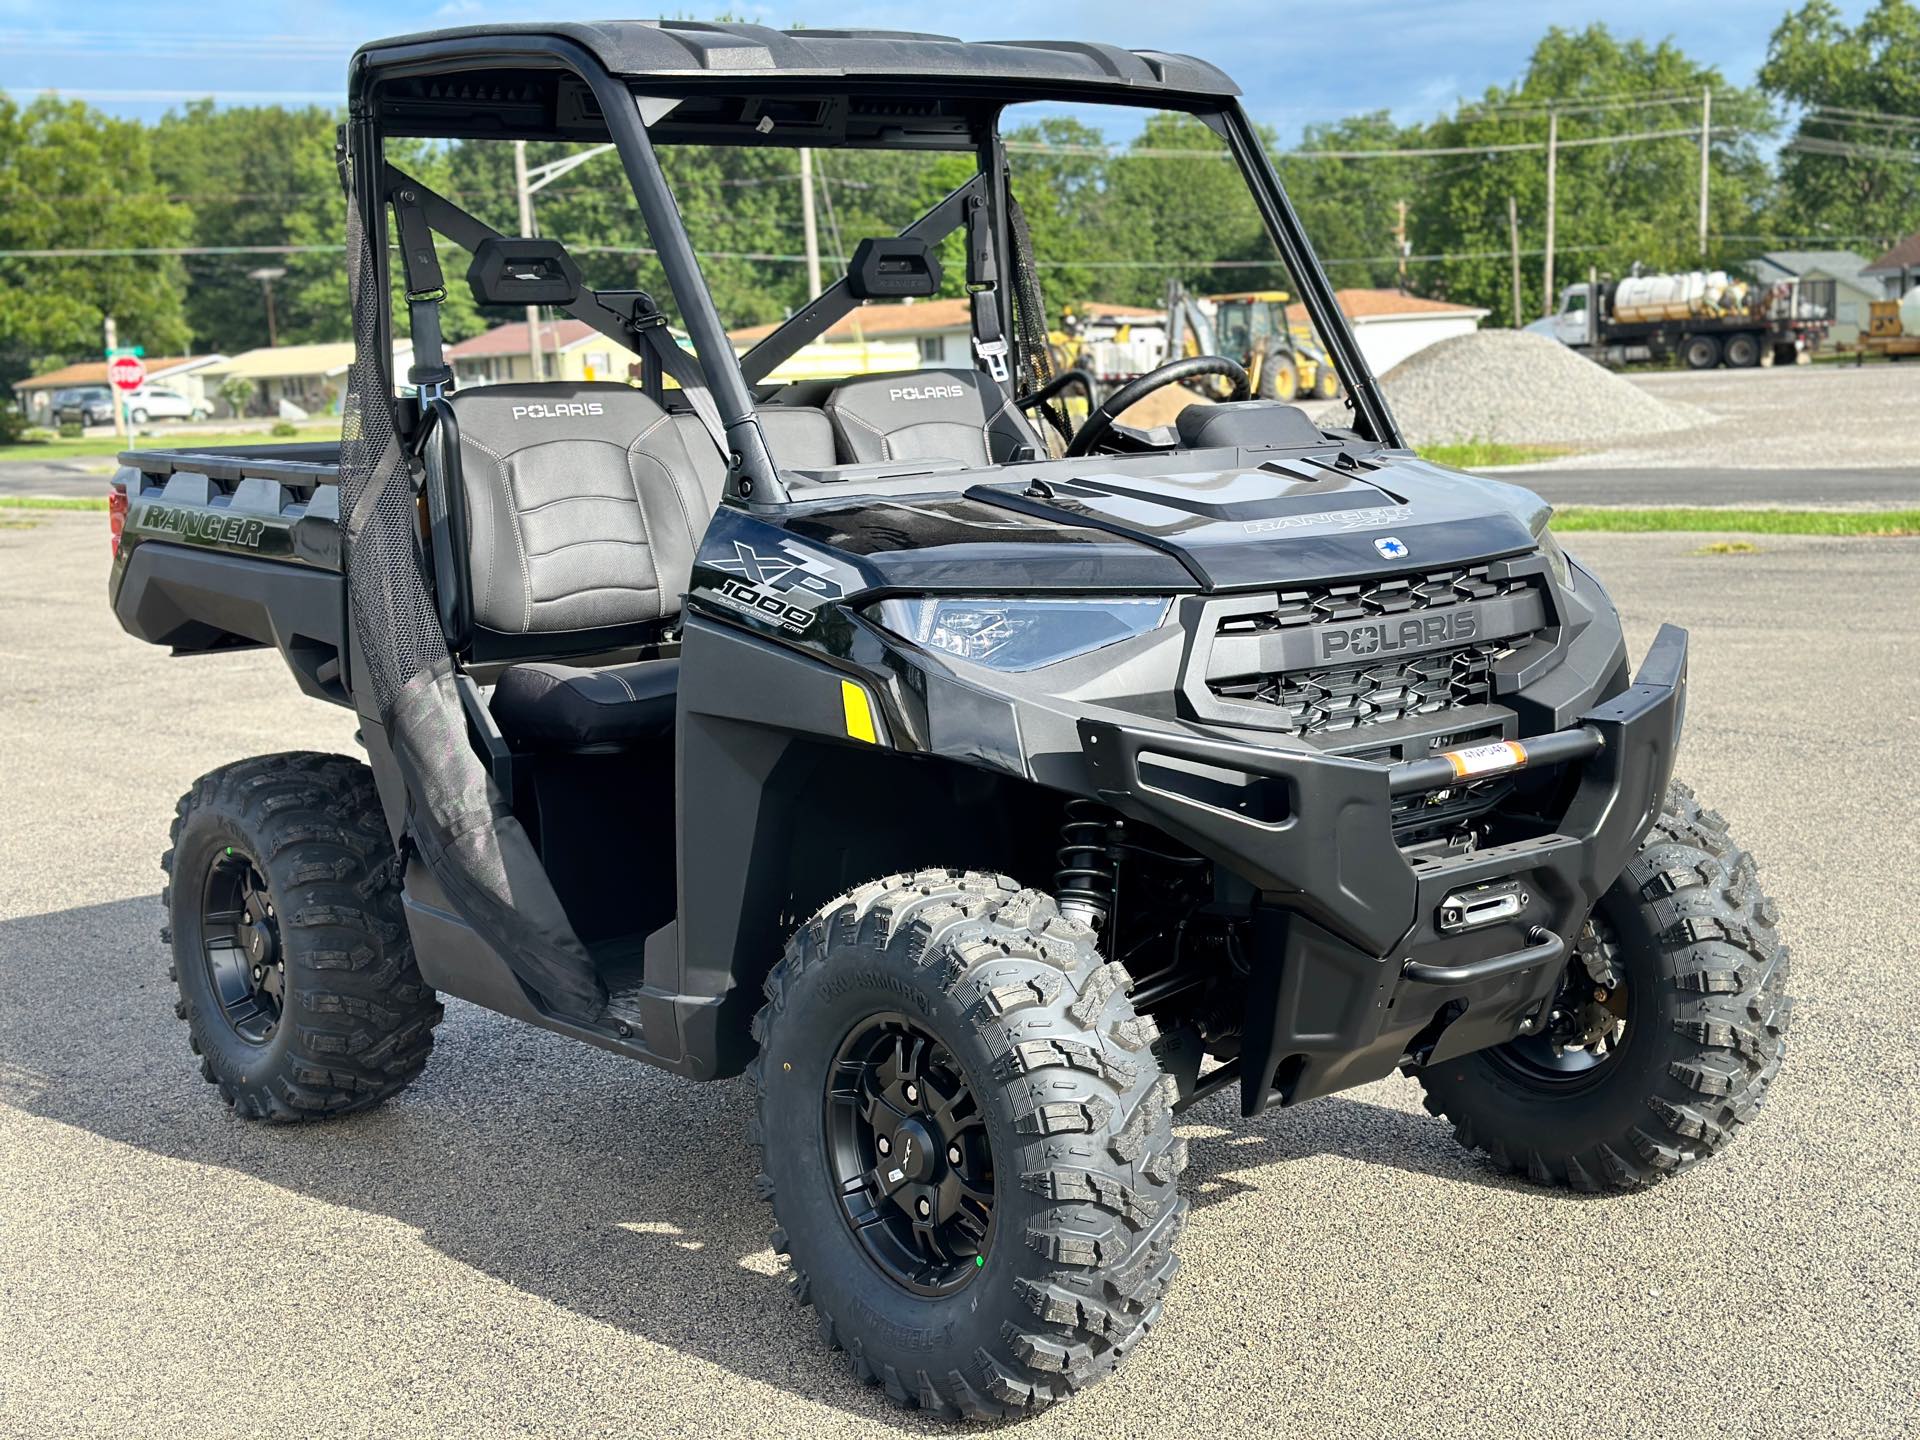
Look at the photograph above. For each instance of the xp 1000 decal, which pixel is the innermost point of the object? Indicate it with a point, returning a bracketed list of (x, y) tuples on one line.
[(774, 580)]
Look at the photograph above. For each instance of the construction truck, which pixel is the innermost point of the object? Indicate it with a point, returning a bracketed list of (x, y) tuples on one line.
[(1893, 327), (1706, 318), (1282, 362)]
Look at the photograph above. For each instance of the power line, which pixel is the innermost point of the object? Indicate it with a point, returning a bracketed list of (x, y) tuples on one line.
[(1893, 116), (1501, 147), (1817, 145)]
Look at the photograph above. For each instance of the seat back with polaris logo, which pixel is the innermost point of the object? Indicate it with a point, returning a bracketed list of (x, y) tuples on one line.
[(583, 509), (927, 415)]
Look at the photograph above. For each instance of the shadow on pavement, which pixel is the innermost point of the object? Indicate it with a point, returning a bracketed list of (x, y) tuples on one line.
[(620, 1193)]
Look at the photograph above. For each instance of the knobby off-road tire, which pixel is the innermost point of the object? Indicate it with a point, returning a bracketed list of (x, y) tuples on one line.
[(353, 1021), (1078, 1115), (1694, 939)]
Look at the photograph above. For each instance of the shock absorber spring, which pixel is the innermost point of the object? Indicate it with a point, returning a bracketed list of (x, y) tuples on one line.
[(1088, 878)]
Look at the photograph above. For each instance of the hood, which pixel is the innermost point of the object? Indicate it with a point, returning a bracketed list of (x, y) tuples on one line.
[(1090, 526), (1292, 521)]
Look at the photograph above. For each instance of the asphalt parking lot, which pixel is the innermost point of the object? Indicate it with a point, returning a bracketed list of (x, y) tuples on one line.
[(541, 1239)]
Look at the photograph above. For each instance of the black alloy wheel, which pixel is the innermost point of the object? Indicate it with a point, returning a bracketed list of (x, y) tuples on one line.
[(907, 1145), (1664, 1037), (290, 947), (240, 944)]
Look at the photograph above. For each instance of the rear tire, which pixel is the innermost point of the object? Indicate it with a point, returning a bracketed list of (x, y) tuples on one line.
[(1688, 930), (1074, 1140), (1743, 351), (295, 971), (1700, 352)]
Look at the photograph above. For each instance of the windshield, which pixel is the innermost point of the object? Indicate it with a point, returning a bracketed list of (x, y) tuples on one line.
[(1117, 241)]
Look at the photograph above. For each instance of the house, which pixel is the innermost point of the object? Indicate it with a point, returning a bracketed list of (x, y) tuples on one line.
[(1390, 325), (901, 335), (1898, 271), (293, 381), (570, 350), (185, 373), (1829, 279)]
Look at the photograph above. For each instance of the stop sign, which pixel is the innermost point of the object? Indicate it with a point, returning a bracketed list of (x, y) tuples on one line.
[(126, 372)]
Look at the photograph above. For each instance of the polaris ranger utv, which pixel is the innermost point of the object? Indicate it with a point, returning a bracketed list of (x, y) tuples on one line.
[(986, 789)]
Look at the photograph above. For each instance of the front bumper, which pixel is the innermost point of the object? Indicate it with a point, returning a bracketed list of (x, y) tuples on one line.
[(1352, 973)]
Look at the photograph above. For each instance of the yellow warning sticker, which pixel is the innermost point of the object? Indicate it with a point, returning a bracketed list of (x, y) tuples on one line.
[(1486, 759)]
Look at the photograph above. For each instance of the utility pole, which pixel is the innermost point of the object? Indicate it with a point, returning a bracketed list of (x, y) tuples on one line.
[(1513, 240), (1553, 165), (525, 182), (808, 224), (1400, 246), (266, 277), (525, 192), (1706, 148), (110, 343)]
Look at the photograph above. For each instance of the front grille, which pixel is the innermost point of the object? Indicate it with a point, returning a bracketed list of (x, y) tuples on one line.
[(1380, 687), (1317, 701), (1394, 596)]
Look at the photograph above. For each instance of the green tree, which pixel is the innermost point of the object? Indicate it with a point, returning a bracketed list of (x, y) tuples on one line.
[(71, 178), (257, 176), (1350, 207), (1183, 215), (1852, 166), (1617, 204)]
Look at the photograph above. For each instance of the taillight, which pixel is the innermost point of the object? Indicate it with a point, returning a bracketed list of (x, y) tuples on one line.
[(116, 513)]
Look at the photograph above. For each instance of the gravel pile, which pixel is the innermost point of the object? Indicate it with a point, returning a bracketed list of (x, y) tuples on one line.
[(1522, 389)]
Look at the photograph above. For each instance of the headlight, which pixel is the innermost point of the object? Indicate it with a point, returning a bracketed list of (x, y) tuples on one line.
[(1556, 559), (1007, 634)]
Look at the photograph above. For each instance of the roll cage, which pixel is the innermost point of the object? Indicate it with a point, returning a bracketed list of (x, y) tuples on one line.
[(536, 83)]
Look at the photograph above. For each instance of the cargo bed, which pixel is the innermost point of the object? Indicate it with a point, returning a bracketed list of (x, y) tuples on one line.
[(231, 547)]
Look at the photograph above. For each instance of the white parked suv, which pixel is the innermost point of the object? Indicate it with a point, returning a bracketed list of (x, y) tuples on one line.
[(156, 402)]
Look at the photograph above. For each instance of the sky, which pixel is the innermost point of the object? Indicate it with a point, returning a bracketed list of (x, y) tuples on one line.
[(1297, 62)]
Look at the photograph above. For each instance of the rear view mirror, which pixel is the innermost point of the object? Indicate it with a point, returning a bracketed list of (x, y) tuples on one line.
[(893, 267), (518, 270)]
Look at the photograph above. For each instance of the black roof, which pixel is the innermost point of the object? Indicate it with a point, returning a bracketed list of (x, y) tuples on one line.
[(704, 50)]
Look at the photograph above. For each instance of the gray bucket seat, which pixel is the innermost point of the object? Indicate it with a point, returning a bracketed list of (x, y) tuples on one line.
[(583, 506), (928, 415)]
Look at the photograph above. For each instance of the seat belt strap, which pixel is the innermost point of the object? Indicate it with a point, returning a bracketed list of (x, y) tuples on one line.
[(983, 290), (426, 288), (677, 363), (466, 231)]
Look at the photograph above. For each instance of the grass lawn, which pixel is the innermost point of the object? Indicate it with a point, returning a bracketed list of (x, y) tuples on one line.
[(1479, 454), (111, 445), (35, 502), (1738, 522)]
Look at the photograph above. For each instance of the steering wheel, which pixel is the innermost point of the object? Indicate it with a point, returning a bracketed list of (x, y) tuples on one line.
[(1100, 422)]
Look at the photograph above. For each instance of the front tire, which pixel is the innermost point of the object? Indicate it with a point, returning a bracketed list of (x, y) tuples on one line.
[(1702, 1018), (1277, 381), (1062, 1270), (295, 971)]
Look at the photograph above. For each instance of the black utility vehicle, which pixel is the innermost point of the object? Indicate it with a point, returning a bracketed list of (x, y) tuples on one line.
[(984, 785)]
